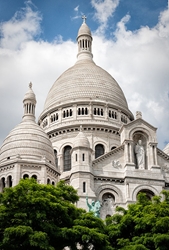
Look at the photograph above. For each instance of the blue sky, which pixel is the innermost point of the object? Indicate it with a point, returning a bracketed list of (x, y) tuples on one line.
[(130, 41), (62, 16)]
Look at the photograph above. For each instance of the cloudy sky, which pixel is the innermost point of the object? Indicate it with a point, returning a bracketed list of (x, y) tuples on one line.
[(130, 41)]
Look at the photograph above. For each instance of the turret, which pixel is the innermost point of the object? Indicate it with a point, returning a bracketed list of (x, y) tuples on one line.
[(29, 102), (84, 40)]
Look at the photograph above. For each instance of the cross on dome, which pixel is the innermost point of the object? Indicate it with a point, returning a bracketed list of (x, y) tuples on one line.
[(84, 18)]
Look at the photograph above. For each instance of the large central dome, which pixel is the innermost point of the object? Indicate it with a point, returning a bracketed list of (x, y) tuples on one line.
[(85, 80), (84, 91)]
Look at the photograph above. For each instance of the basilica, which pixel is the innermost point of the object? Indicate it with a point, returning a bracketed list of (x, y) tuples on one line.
[(87, 136)]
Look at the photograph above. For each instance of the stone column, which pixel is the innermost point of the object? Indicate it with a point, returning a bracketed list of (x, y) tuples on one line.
[(48, 119), (91, 109), (59, 115), (119, 115), (74, 111), (106, 112), (129, 154), (153, 153)]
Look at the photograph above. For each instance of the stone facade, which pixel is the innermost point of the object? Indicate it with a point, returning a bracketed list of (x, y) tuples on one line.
[(87, 136)]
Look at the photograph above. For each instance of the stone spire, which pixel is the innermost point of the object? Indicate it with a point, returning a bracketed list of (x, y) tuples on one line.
[(29, 102), (84, 39)]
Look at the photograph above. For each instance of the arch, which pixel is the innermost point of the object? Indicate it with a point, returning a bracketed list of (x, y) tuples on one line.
[(9, 181), (60, 150), (111, 189), (148, 193), (34, 176), (2, 184), (142, 131), (113, 147), (48, 181), (56, 157), (99, 150), (67, 158), (25, 176), (53, 183), (143, 187)]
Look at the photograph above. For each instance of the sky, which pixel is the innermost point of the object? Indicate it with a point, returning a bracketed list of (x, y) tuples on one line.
[(130, 41)]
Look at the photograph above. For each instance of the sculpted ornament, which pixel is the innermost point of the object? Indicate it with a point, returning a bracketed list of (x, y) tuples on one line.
[(116, 164), (140, 155)]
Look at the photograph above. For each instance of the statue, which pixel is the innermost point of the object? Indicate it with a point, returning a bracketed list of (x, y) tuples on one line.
[(140, 155), (116, 164), (94, 207)]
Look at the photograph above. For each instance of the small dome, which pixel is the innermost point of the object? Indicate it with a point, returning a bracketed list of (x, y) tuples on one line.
[(29, 141), (84, 30), (166, 149), (30, 94), (81, 141)]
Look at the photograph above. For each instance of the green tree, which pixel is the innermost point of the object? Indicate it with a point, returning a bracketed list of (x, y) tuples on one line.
[(35, 216), (145, 225)]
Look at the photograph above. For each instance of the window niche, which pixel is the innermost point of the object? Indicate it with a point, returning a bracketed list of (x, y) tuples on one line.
[(99, 150), (67, 158)]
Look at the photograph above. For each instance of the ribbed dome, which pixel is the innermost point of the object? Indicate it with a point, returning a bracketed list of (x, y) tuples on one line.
[(29, 141), (81, 141), (85, 81), (84, 30), (30, 94)]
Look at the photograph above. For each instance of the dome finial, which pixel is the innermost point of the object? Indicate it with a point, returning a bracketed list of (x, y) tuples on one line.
[(84, 18), (30, 85)]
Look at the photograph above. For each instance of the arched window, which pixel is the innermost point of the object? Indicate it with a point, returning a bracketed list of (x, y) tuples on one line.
[(25, 176), (99, 150), (113, 147), (34, 176), (9, 181), (86, 111), (149, 193), (2, 184), (56, 157), (53, 183), (67, 158), (48, 181)]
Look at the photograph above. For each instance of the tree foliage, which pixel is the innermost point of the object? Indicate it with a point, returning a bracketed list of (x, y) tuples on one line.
[(35, 216), (145, 225)]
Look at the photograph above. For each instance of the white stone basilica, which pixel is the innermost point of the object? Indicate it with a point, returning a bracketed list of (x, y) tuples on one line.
[(87, 136)]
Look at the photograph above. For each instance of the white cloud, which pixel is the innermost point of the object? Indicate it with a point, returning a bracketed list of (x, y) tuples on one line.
[(104, 10), (138, 60), (21, 28), (76, 8)]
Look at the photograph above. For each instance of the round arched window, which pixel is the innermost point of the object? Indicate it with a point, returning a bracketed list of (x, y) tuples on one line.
[(67, 158), (25, 176), (99, 150), (149, 193), (56, 157)]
